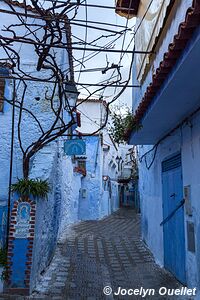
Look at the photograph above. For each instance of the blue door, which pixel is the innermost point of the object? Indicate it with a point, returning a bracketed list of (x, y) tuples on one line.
[(173, 215)]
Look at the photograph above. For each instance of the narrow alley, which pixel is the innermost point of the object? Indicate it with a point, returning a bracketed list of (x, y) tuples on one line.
[(99, 149), (103, 253)]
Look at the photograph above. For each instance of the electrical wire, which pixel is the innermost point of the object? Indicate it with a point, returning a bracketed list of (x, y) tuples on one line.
[(84, 59), (85, 41), (100, 23), (89, 5), (124, 38)]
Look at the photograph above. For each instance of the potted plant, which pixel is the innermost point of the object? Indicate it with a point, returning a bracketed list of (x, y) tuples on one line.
[(36, 187)]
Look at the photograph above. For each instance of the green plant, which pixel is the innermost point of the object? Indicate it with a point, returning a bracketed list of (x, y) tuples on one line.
[(36, 187), (5, 274), (3, 263), (3, 257), (123, 123)]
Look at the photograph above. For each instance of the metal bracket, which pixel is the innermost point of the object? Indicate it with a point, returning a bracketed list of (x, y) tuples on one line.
[(172, 213)]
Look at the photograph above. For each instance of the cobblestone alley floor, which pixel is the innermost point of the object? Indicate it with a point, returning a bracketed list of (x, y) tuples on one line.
[(103, 253)]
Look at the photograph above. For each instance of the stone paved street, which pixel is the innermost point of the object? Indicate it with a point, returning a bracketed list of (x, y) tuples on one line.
[(102, 253)]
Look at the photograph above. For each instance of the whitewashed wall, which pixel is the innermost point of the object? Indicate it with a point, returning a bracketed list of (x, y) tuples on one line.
[(93, 114), (50, 163)]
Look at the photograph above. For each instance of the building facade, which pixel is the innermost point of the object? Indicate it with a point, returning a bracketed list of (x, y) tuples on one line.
[(168, 108), (99, 195), (40, 221)]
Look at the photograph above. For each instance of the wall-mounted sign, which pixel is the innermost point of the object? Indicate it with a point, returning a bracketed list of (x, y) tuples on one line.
[(23, 217), (75, 147)]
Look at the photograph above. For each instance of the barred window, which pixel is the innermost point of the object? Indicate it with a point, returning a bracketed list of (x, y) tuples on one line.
[(82, 164)]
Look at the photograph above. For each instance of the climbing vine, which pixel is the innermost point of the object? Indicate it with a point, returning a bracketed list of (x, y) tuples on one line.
[(123, 123)]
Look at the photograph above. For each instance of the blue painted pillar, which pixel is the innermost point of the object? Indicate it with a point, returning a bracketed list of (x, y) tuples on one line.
[(20, 246)]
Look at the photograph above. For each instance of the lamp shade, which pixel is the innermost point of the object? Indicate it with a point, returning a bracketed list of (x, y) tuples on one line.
[(71, 93), (71, 89)]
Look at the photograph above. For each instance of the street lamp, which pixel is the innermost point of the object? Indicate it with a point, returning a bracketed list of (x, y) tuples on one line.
[(71, 93), (105, 178)]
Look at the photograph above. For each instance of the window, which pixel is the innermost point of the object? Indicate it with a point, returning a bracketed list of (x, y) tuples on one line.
[(127, 8), (82, 164)]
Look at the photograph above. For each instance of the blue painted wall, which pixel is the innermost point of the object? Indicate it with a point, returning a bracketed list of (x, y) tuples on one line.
[(3, 223), (44, 166), (185, 139), (19, 263), (47, 211), (100, 198), (89, 205)]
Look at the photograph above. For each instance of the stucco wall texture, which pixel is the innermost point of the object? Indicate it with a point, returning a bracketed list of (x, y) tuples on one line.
[(90, 195), (44, 165), (47, 212), (42, 108), (96, 201), (69, 186), (54, 214)]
